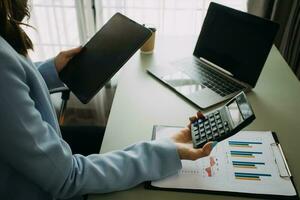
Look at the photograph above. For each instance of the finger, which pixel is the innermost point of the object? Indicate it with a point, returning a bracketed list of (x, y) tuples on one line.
[(200, 115), (192, 119), (205, 150), (195, 118), (73, 52)]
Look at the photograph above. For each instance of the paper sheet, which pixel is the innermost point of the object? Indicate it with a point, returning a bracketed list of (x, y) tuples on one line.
[(243, 163)]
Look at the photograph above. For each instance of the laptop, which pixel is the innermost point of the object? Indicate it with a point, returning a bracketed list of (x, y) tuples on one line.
[(228, 57)]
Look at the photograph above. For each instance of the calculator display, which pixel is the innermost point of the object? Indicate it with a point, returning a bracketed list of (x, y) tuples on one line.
[(235, 113), (244, 107)]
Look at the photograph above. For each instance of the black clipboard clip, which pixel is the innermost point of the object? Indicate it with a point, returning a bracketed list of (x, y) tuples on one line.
[(280, 160)]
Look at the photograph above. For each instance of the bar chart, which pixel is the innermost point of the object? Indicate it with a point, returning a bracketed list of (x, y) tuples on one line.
[(249, 165), (247, 159), (245, 154), (243, 144), (250, 176)]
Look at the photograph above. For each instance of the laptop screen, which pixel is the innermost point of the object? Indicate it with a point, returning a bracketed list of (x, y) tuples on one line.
[(236, 41)]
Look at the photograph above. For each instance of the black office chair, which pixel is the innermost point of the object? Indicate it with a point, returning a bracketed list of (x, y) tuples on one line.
[(65, 96), (83, 140)]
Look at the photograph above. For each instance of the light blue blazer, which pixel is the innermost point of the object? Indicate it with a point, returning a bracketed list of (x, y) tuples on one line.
[(36, 163)]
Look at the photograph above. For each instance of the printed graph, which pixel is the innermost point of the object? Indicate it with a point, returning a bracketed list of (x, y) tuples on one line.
[(247, 160), (243, 144), (210, 169), (205, 167), (245, 154), (249, 165), (250, 176)]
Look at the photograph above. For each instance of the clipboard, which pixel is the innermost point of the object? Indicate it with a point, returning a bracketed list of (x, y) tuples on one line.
[(275, 149)]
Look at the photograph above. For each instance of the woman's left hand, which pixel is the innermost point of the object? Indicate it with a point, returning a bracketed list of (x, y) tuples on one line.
[(64, 57)]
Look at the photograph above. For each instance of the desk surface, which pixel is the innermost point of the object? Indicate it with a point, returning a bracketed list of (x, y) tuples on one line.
[(141, 101)]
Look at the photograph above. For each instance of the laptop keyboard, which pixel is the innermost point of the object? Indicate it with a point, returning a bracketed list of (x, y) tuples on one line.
[(210, 78)]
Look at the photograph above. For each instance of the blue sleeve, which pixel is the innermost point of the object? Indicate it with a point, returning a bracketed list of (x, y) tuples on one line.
[(49, 73), (33, 148)]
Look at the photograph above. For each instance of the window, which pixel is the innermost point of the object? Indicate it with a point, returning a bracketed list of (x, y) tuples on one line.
[(63, 24), (56, 27), (171, 17)]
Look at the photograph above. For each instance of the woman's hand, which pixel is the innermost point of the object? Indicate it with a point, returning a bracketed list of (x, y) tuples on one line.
[(64, 57), (183, 142)]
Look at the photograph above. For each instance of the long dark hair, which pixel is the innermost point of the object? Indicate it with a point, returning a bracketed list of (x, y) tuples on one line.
[(12, 13)]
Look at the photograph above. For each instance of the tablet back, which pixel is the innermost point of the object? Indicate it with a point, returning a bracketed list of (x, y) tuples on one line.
[(107, 51)]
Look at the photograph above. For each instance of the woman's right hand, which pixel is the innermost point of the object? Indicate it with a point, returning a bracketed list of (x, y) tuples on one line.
[(183, 142)]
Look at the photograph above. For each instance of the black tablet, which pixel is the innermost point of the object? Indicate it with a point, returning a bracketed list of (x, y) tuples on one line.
[(105, 53)]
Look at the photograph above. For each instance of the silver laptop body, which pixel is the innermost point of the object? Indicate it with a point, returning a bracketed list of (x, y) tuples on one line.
[(199, 81)]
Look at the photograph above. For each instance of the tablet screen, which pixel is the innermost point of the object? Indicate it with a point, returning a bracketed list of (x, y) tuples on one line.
[(103, 56)]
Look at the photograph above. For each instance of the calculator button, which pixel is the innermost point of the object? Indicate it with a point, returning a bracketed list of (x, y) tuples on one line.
[(197, 137), (202, 130), (200, 121), (211, 115), (213, 124), (201, 125), (209, 137), (214, 129), (220, 126), (216, 134), (206, 123), (203, 141), (218, 116), (203, 135), (226, 129), (225, 123), (217, 112), (207, 127), (195, 128), (208, 132), (221, 131)]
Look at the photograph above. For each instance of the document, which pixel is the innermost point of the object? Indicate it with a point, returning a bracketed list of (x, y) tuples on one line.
[(245, 163)]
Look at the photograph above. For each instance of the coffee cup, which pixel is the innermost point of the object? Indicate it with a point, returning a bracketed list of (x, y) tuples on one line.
[(148, 46)]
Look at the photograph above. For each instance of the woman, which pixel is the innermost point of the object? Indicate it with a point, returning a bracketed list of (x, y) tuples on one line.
[(35, 162)]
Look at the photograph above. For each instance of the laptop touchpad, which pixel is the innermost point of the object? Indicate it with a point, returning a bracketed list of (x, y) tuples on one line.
[(183, 83)]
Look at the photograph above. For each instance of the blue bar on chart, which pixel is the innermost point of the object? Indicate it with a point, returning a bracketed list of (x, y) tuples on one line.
[(243, 144), (249, 165), (250, 176), (245, 154)]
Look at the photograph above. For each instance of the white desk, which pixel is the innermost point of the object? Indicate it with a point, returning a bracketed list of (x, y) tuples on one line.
[(141, 101)]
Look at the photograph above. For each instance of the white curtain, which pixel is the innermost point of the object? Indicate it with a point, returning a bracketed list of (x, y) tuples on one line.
[(170, 17), (60, 25), (56, 27)]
